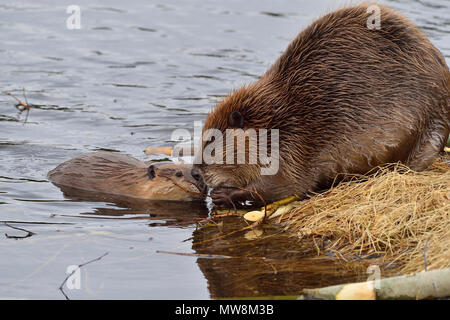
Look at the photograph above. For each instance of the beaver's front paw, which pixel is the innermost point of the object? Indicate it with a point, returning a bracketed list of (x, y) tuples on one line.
[(231, 197)]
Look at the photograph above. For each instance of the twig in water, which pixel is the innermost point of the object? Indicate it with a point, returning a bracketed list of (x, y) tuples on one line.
[(339, 255), (29, 233), (207, 255), (26, 102), (250, 226), (25, 106), (202, 255), (210, 219), (72, 273), (34, 222)]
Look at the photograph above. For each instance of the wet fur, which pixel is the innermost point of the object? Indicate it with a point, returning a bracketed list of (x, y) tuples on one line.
[(345, 99), (119, 174)]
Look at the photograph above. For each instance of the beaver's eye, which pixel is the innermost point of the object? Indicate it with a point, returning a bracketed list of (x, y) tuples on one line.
[(179, 174), (236, 120), (151, 172)]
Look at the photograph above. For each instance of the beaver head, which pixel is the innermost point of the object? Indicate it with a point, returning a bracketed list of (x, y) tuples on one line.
[(237, 137), (170, 181)]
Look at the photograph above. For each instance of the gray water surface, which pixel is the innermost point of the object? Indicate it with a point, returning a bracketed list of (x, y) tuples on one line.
[(134, 72)]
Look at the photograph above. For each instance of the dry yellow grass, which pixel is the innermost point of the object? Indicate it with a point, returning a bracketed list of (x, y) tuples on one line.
[(400, 214)]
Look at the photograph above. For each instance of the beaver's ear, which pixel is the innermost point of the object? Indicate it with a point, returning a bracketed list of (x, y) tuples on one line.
[(151, 171), (236, 120)]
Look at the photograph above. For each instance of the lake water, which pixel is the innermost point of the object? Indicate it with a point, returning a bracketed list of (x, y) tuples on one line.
[(134, 72)]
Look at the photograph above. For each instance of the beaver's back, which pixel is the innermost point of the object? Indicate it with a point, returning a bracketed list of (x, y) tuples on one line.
[(107, 172), (363, 97), (346, 84)]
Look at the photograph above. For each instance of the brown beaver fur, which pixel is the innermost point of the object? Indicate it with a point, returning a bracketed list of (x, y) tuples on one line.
[(119, 174), (346, 99)]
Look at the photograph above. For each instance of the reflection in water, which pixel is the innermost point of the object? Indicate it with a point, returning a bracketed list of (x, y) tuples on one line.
[(166, 212), (264, 262), (272, 265), (163, 67)]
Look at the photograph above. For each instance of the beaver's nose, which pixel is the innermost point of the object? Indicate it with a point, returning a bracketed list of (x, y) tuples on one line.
[(196, 174)]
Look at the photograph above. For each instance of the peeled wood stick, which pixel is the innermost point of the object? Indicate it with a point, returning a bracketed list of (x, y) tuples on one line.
[(268, 210), (163, 150), (169, 151), (424, 285)]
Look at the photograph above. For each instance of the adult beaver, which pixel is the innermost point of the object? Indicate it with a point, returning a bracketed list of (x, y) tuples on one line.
[(345, 98), (118, 174)]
